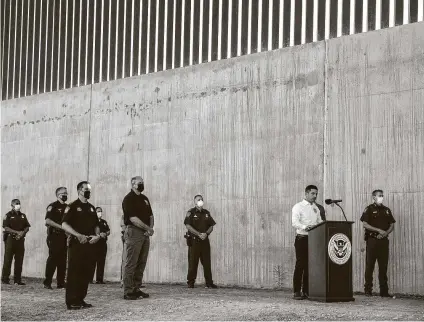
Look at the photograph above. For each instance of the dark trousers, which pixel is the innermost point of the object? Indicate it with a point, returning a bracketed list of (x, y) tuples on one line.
[(200, 250), (81, 261), (13, 249), (137, 247), (100, 260), (57, 259), (377, 250), (300, 276)]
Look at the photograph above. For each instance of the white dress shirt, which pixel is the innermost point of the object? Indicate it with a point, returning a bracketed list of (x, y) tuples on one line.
[(304, 214)]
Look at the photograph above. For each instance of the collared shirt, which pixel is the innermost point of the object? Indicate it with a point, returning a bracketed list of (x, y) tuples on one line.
[(15, 220), (201, 220), (378, 216), (55, 213), (135, 205), (304, 214), (81, 217), (104, 227)]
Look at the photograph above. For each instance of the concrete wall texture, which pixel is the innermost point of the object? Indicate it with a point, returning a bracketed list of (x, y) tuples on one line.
[(249, 134)]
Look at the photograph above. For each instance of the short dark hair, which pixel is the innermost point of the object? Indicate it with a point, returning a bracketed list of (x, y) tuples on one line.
[(15, 201), (97, 208), (198, 196), (79, 185), (375, 192), (59, 189), (310, 187)]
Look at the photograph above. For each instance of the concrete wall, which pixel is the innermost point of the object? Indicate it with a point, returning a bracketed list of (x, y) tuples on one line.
[(247, 133)]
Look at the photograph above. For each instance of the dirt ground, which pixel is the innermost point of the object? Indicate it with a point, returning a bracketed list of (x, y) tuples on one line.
[(176, 302)]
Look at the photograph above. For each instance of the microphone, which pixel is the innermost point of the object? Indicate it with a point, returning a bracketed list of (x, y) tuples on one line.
[(330, 201)]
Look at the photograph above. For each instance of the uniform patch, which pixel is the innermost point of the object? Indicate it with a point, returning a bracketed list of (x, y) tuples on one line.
[(79, 209), (147, 203), (49, 208), (207, 216), (195, 216), (387, 212), (22, 216), (374, 212), (92, 209), (67, 209)]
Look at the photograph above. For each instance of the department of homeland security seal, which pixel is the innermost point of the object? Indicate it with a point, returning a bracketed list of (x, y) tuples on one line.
[(339, 249)]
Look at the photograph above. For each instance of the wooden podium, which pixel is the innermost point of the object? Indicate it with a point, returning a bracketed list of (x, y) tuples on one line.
[(330, 262)]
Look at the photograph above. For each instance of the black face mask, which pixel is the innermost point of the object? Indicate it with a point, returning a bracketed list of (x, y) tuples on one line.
[(64, 198), (140, 187), (87, 194)]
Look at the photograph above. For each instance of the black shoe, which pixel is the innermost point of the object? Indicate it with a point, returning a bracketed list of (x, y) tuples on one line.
[(130, 297), (49, 287), (211, 286), (142, 294), (85, 305), (61, 286), (297, 296), (305, 295), (190, 285), (74, 306), (20, 283), (368, 293), (5, 282), (385, 295)]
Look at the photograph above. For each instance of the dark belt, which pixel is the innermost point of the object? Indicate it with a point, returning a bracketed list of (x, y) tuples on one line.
[(301, 236), (57, 231)]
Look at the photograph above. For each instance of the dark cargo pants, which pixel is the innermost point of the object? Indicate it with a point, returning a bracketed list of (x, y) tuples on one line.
[(57, 258), (135, 258), (13, 249), (377, 250), (199, 250)]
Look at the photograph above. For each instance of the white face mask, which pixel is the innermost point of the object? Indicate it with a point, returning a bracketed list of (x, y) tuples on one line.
[(200, 203), (379, 200), (99, 215), (17, 207)]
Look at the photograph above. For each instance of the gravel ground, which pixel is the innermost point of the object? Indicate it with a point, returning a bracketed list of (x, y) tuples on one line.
[(176, 302)]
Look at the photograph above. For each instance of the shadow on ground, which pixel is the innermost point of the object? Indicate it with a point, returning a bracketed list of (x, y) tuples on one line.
[(176, 302)]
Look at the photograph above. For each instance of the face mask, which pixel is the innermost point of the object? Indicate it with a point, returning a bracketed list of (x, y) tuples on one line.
[(140, 187), (63, 197), (200, 203), (99, 215), (379, 200), (87, 194), (17, 207)]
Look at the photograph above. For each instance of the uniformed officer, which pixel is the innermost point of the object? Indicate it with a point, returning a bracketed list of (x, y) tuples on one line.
[(80, 221), (101, 247), (139, 222), (199, 223), (305, 215), (378, 223), (122, 224), (56, 240), (16, 226)]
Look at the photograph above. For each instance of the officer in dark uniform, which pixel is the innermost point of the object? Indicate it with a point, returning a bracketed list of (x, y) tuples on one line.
[(199, 223), (101, 248), (80, 221), (378, 223), (56, 240), (16, 226)]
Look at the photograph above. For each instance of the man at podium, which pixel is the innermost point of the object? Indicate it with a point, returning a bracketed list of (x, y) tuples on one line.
[(305, 215)]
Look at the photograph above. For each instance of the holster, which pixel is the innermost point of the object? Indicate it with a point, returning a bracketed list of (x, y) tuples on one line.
[(189, 239)]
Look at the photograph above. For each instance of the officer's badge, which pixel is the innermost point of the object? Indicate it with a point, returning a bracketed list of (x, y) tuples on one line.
[(79, 209), (195, 216), (374, 212), (147, 203), (207, 216), (92, 209), (387, 212), (49, 208), (22, 216)]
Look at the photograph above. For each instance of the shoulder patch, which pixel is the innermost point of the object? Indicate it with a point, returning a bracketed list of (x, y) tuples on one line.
[(49, 208), (188, 214), (4, 217)]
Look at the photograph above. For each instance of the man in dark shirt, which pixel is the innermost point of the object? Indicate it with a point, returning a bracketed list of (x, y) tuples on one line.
[(378, 223), (56, 240), (139, 221), (80, 221), (16, 226), (199, 223), (101, 248)]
